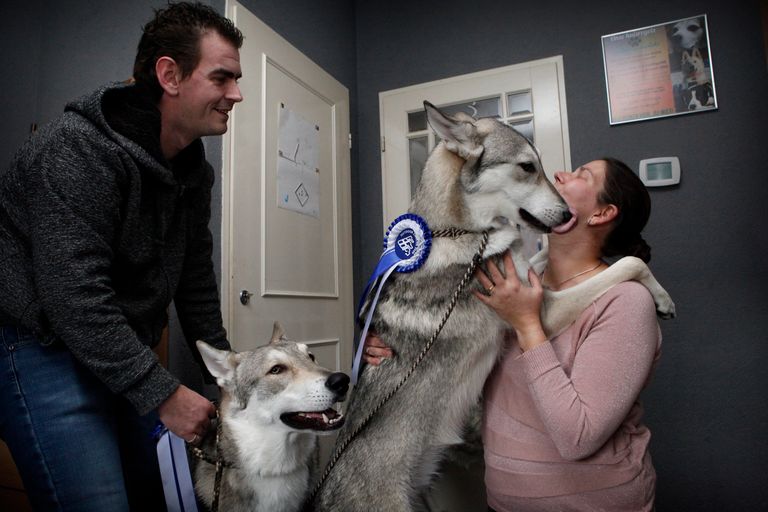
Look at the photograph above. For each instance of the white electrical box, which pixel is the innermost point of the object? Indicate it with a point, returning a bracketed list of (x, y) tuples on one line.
[(660, 172)]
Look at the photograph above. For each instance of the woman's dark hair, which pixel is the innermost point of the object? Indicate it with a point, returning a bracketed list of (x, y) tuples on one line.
[(624, 189), (176, 32)]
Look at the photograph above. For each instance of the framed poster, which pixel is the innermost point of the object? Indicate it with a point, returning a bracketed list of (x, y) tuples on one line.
[(658, 71)]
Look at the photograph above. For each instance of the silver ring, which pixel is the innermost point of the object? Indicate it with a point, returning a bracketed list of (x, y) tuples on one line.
[(490, 290)]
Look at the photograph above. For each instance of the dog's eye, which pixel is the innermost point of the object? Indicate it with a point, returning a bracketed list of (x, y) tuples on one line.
[(311, 356), (277, 369), (528, 167)]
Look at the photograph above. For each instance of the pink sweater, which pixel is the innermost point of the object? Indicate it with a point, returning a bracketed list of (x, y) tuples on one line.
[(562, 427)]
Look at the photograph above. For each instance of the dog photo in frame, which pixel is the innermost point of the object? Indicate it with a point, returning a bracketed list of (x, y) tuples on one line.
[(658, 71)]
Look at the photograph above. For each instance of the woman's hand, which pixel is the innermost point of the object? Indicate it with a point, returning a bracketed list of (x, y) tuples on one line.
[(374, 350), (515, 302)]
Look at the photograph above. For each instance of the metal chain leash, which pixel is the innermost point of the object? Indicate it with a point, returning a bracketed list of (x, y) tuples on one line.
[(476, 259)]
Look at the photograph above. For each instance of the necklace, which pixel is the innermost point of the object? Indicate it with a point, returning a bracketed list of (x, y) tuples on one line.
[(558, 285)]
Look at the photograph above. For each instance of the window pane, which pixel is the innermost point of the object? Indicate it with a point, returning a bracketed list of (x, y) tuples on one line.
[(519, 103), (417, 155), (490, 107), (524, 127), (417, 121)]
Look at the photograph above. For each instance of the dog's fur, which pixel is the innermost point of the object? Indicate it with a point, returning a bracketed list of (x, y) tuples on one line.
[(699, 96), (692, 64), (699, 92), (688, 33), (484, 176), (264, 432)]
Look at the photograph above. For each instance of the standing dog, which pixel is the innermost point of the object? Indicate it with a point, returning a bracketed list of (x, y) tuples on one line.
[(483, 176), (275, 401)]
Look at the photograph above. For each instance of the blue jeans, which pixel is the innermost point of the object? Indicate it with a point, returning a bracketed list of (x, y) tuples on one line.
[(77, 445)]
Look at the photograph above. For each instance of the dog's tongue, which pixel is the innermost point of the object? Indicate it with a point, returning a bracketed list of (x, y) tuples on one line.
[(567, 226)]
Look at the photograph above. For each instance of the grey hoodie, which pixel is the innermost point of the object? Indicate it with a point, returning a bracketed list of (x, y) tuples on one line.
[(98, 233)]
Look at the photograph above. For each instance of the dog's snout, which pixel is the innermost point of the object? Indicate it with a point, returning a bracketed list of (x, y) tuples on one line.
[(338, 382)]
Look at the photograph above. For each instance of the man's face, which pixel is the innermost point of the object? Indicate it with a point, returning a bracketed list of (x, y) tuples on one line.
[(208, 94)]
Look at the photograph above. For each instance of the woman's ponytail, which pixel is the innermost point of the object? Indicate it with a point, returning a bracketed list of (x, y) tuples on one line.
[(624, 189)]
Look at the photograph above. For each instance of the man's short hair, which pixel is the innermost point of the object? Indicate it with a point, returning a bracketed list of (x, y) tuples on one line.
[(175, 32)]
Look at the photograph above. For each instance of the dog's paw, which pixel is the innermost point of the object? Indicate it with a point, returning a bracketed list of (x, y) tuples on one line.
[(665, 308)]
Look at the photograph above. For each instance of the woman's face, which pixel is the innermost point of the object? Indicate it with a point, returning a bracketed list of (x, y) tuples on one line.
[(581, 188)]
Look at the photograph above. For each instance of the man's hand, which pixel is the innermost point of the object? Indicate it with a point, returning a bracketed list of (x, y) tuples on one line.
[(187, 414), (375, 351)]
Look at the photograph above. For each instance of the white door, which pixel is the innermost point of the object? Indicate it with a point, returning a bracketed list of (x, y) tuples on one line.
[(529, 96), (286, 219)]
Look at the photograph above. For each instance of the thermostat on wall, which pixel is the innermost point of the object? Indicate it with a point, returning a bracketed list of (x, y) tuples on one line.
[(660, 172)]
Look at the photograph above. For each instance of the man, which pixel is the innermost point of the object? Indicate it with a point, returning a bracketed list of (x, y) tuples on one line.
[(103, 221)]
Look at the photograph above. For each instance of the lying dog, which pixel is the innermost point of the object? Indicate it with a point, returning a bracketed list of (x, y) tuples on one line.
[(484, 176), (275, 401)]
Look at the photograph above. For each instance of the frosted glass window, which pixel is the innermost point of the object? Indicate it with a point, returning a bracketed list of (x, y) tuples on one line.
[(519, 103), (417, 121), (417, 156), (524, 127), (490, 107)]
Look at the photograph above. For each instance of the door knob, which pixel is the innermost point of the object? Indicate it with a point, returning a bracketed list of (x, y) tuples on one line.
[(245, 297)]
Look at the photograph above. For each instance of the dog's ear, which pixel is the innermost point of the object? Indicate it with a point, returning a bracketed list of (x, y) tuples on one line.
[(278, 333), (459, 134), (221, 363), (686, 56), (696, 53)]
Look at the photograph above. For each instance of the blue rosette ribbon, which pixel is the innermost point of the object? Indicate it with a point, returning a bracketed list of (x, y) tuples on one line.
[(406, 248)]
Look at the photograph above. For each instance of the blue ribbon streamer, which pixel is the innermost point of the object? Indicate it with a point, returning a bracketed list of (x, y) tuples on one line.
[(174, 471), (406, 248)]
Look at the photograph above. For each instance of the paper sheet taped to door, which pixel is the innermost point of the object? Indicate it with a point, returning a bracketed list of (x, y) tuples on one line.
[(298, 172)]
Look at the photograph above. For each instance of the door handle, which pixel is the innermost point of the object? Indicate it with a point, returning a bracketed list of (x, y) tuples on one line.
[(245, 297)]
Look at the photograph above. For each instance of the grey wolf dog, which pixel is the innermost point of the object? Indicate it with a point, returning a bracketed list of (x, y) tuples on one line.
[(483, 176), (275, 401), (688, 33)]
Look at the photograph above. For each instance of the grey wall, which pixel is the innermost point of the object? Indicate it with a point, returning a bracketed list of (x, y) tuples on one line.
[(54, 52), (705, 406)]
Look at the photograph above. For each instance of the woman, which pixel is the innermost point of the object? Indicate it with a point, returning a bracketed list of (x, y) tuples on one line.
[(562, 427)]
